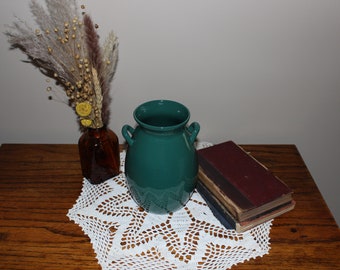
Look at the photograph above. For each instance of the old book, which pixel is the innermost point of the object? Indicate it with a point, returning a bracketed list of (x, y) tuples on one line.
[(240, 183), (227, 219)]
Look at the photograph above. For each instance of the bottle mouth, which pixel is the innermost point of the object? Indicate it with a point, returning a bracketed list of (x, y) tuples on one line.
[(161, 115)]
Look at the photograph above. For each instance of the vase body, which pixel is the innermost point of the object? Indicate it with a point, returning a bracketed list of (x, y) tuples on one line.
[(161, 163), (99, 154)]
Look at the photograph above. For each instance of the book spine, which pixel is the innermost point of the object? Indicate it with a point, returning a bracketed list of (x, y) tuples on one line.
[(220, 196), (216, 208), (225, 185)]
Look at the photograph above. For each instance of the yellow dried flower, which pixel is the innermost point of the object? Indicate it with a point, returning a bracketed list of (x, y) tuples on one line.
[(83, 108), (86, 122)]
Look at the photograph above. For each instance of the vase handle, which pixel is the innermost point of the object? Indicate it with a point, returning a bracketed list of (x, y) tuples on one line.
[(127, 132), (193, 129)]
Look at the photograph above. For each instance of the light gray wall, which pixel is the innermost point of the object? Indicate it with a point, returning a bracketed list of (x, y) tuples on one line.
[(252, 71)]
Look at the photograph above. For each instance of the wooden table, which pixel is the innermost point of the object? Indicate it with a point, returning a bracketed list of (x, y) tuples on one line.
[(40, 183)]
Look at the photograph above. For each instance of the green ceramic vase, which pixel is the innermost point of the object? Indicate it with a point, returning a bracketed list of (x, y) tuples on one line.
[(161, 163)]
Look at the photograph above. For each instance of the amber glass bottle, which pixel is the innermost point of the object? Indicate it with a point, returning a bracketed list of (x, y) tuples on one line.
[(99, 154)]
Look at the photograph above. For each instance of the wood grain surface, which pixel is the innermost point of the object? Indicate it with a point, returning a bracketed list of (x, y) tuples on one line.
[(39, 183)]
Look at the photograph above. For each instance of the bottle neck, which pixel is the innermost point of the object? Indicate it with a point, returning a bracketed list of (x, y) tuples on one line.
[(96, 131)]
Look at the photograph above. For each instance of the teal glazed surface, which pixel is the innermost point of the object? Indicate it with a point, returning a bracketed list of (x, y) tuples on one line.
[(161, 163)]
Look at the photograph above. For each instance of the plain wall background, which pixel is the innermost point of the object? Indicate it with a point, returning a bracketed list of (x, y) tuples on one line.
[(259, 72)]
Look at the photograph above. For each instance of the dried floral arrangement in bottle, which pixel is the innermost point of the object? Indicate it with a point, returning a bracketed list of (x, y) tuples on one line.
[(65, 47)]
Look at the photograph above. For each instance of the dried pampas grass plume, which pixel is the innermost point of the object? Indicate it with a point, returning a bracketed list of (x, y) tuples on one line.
[(65, 46)]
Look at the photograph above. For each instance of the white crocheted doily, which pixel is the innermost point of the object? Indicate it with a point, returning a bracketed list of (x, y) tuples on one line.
[(125, 237)]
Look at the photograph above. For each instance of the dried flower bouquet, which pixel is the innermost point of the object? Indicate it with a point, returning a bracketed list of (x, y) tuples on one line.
[(65, 46)]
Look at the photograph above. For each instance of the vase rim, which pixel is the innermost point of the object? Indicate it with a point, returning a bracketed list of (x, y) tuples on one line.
[(161, 115)]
